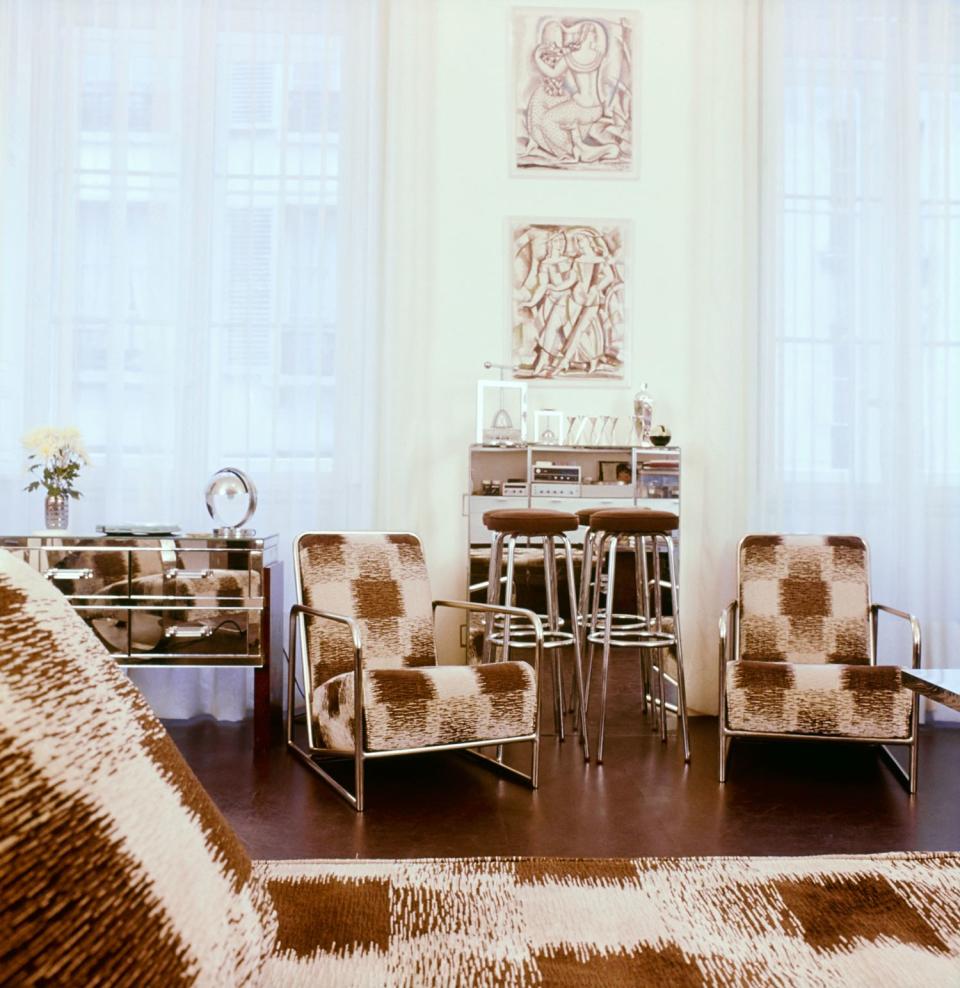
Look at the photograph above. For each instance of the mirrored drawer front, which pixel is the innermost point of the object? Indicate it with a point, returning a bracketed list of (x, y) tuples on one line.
[(218, 578), (191, 635), (88, 571), (196, 571)]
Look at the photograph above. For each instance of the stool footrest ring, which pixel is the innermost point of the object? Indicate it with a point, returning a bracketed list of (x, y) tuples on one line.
[(633, 639)]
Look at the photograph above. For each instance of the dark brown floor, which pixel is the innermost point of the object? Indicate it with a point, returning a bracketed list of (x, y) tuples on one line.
[(780, 798)]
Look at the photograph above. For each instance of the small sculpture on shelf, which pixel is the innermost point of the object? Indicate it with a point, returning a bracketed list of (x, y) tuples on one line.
[(642, 416), (660, 436), (231, 498)]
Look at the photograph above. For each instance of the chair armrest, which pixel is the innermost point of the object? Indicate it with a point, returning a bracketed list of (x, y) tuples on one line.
[(728, 627), (301, 610), (522, 612), (728, 623), (350, 622), (876, 609)]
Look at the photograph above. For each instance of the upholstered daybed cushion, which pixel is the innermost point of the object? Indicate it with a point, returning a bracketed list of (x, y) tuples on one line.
[(855, 701), (410, 708), (115, 866)]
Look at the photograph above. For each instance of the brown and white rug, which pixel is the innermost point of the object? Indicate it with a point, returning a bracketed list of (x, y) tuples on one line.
[(859, 920)]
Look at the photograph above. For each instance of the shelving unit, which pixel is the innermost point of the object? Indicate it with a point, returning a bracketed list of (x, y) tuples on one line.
[(654, 483)]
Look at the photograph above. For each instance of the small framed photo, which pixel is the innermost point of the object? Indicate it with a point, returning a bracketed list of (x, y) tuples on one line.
[(615, 472)]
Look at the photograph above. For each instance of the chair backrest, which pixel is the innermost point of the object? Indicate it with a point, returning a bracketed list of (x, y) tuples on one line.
[(380, 580), (804, 598)]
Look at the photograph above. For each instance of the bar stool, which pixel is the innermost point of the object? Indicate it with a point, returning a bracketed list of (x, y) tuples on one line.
[(508, 525), (590, 573), (611, 527)]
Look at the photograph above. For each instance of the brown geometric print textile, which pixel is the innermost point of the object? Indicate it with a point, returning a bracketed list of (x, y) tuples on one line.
[(804, 598), (382, 581), (814, 921), (787, 698), (115, 866), (411, 708)]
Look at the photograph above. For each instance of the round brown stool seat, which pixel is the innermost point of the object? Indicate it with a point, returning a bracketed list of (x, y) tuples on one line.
[(634, 521), (530, 521), (585, 514)]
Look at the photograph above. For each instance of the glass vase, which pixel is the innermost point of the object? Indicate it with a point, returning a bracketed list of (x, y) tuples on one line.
[(57, 511)]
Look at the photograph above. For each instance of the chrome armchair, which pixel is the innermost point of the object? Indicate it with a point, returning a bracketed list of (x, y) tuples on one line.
[(798, 651), (372, 687)]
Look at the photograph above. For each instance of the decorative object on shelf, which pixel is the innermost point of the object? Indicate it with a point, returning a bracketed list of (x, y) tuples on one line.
[(231, 498), (608, 430), (496, 400), (660, 436), (139, 529), (58, 454), (573, 93), (547, 426), (642, 416), (569, 305)]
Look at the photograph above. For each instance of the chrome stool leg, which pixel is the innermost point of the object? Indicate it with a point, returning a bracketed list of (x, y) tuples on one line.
[(607, 629), (553, 623), (493, 591), (508, 592), (577, 663), (681, 683)]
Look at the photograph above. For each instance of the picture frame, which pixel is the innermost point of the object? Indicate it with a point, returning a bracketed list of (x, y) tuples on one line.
[(573, 92), (610, 468), (570, 299)]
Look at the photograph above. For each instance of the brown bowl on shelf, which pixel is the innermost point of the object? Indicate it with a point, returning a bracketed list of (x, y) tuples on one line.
[(661, 439)]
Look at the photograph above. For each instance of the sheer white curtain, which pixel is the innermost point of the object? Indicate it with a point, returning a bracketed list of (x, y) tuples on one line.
[(189, 260), (859, 346)]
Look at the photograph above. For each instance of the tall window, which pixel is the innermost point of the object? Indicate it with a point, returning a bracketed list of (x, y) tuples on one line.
[(859, 356), (185, 258)]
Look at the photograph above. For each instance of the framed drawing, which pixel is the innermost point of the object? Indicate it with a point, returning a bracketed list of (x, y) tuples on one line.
[(568, 302), (573, 93)]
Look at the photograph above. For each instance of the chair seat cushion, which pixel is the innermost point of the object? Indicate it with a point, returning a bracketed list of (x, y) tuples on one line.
[(432, 705), (852, 701)]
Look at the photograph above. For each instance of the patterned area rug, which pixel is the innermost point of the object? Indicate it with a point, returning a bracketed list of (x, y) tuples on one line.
[(861, 920)]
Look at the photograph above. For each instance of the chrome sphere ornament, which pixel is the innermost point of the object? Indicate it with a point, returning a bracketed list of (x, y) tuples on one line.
[(231, 500)]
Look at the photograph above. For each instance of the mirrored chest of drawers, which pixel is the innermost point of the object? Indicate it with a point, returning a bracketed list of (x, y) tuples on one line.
[(186, 600)]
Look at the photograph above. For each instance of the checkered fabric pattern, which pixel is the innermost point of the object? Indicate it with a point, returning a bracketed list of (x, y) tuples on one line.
[(116, 868), (804, 661), (382, 581), (409, 701), (804, 599), (414, 708), (852, 701)]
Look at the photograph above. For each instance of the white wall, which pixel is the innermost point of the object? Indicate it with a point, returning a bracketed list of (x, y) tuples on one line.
[(690, 296)]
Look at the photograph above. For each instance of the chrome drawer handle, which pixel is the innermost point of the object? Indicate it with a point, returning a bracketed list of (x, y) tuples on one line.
[(69, 574), (188, 574), (189, 631)]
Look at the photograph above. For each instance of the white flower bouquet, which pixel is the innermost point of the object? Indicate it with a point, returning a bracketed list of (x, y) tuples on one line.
[(58, 454)]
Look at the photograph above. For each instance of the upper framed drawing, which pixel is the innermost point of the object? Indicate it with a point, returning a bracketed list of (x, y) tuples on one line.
[(573, 93), (569, 303)]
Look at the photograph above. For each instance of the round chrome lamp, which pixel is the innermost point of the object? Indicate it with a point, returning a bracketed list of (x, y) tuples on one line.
[(231, 500)]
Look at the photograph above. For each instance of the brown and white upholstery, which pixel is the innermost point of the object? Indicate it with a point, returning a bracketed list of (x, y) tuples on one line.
[(804, 663), (117, 869), (380, 582), (115, 865)]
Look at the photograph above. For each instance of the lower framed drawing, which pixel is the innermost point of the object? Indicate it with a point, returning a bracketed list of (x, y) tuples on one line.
[(569, 300)]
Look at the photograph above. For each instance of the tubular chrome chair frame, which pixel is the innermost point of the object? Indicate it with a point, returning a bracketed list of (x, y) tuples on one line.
[(360, 754), (729, 649)]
